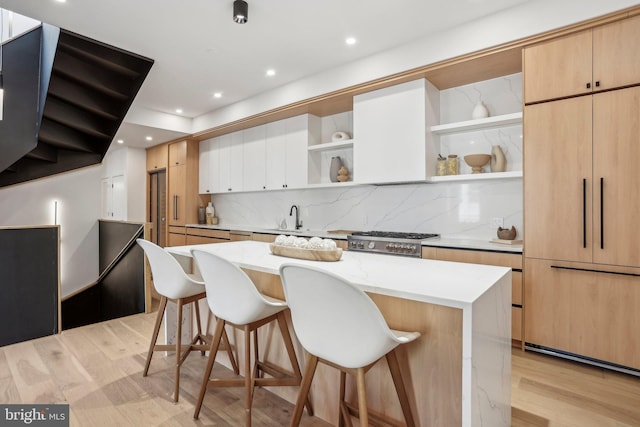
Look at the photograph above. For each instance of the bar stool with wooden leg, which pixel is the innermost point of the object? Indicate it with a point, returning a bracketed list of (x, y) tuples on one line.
[(339, 325), (235, 301), (173, 284)]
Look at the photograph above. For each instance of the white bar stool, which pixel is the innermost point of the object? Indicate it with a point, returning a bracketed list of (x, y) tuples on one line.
[(339, 325), (235, 301), (173, 284)]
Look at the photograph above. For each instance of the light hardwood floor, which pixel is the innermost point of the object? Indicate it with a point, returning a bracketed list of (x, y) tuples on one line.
[(97, 369)]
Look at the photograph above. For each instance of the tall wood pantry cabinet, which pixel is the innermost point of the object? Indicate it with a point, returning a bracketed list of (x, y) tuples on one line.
[(582, 250), (182, 194)]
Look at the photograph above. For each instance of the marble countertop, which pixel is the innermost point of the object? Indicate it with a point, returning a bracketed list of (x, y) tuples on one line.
[(443, 242), (438, 282)]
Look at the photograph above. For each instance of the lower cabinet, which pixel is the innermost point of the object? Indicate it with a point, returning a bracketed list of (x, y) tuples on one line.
[(176, 236), (585, 309), (503, 259), (200, 236)]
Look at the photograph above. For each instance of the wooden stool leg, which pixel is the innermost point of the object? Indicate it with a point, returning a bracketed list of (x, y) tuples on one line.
[(398, 382), (154, 337), (342, 414), (284, 331), (303, 394), (178, 352), (213, 350), (248, 397), (196, 307), (362, 398)]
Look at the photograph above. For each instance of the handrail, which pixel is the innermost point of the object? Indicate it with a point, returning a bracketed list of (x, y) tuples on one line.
[(121, 254)]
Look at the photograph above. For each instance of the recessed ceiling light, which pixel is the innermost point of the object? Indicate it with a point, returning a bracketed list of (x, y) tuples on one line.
[(350, 41), (61, 1), (217, 95), (271, 72), (121, 141), (179, 110), (148, 138)]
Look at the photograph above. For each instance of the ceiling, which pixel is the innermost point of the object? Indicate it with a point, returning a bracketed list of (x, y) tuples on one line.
[(199, 50)]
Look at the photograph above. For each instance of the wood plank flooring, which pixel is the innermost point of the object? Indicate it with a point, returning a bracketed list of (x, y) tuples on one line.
[(97, 369)]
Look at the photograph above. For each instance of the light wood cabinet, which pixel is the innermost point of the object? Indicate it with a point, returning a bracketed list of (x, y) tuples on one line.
[(572, 308), (580, 196), (176, 236), (157, 157), (502, 259), (603, 58), (557, 184), (183, 199), (199, 236)]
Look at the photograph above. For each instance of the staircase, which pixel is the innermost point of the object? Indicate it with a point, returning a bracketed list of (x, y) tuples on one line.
[(65, 98)]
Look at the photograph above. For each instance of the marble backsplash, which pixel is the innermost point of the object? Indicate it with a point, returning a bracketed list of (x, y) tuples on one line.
[(456, 209)]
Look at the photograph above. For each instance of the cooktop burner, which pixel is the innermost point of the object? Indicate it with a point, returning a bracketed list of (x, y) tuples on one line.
[(395, 235), (388, 242)]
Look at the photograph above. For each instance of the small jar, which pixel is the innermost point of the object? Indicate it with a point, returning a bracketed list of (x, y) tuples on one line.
[(452, 164), (441, 167)]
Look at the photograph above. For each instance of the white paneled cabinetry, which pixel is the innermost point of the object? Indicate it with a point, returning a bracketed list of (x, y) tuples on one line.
[(390, 129)]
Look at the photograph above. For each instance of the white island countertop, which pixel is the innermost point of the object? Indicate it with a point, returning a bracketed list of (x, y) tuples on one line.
[(463, 312), (444, 283)]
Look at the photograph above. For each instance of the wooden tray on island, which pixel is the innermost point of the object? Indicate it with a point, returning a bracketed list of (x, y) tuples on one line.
[(308, 254)]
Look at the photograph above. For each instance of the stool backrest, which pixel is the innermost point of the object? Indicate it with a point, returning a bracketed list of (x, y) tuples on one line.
[(231, 294), (333, 319), (169, 278)]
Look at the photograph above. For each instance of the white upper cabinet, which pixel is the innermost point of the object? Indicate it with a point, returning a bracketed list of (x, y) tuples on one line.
[(286, 152), (390, 128), (254, 154), (229, 157), (205, 181)]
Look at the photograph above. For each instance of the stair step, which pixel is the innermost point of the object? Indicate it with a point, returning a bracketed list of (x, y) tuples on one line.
[(44, 152), (63, 137), (84, 98), (81, 120)]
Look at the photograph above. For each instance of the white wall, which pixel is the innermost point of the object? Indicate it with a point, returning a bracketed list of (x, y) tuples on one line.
[(524, 20), (78, 196)]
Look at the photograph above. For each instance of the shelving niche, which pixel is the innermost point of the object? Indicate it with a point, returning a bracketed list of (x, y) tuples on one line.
[(319, 155)]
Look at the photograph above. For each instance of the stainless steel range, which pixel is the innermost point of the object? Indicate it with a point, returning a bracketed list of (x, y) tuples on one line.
[(388, 242)]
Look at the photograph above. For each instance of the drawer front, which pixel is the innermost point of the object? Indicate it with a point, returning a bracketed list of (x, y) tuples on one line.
[(516, 287), (429, 253), (177, 229), (205, 232), (480, 257), (516, 323), (201, 240), (177, 239)]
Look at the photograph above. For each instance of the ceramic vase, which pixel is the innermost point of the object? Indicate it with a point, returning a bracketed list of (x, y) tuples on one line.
[(480, 111), (498, 160), (334, 168)]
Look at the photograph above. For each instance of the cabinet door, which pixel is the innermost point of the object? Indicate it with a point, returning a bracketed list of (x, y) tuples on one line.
[(616, 151), (616, 57), (204, 168), (557, 180), (106, 198), (254, 154), (177, 194), (118, 198), (276, 155), (558, 68), (389, 128), (157, 157), (297, 162), (594, 314), (223, 148), (178, 153), (236, 161)]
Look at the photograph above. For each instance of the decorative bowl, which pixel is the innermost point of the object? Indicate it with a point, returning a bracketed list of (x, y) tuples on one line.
[(477, 161)]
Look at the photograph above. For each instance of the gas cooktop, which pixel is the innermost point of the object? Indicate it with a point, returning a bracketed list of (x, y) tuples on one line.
[(388, 242)]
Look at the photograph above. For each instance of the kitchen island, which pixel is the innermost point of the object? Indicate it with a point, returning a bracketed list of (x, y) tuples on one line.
[(458, 370)]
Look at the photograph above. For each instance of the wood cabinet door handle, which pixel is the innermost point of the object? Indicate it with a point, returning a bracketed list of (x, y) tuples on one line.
[(601, 212), (584, 213)]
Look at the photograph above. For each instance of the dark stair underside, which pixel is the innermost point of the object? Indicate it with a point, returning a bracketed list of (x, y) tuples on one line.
[(84, 90)]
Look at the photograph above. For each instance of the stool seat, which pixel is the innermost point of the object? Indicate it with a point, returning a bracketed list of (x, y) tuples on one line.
[(339, 325), (174, 284)]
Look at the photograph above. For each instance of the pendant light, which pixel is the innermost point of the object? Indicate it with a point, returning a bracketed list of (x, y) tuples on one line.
[(240, 11)]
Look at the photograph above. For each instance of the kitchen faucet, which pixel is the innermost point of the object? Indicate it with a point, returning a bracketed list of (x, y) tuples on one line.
[(298, 222)]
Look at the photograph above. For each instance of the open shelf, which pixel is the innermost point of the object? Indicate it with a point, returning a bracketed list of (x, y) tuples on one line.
[(469, 125), (348, 143), (476, 176)]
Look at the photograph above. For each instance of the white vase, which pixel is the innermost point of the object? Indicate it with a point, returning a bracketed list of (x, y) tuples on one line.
[(480, 111), (498, 160)]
